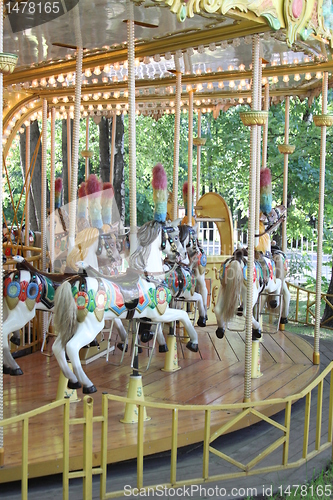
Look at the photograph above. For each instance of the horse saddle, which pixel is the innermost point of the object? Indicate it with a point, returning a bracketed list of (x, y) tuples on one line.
[(50, 281), (126, 282)]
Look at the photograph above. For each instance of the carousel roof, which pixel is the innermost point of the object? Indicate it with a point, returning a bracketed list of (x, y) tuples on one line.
[(208, 41)]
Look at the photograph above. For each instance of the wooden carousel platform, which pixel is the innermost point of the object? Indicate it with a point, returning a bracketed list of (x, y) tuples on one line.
[(214, 375)]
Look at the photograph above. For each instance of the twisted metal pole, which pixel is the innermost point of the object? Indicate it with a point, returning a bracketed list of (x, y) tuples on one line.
[(52, 189), (176, 144), (2, 450), (316, 353), (265, 128), (190, 157), (198, 157), (251, 223), (258, 159), (87, 148), (285, 173), (27, 191), (44, 164), (131, 125)]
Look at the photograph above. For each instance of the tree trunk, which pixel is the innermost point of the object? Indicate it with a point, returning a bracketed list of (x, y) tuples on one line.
[(64, 162), (35, 198), (104, 149), (118, 175), (328, 312)]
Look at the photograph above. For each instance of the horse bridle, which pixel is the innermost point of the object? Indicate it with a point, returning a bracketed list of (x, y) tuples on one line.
[(104, 241), (166, 237)]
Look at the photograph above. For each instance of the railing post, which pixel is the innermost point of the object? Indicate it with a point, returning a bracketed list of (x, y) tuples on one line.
[(173, 472), (287, 433), (319, 413), (139, 481), (104, 445), (306, 424), (65, 466), (25, 441), (88, 409), (205, 471)]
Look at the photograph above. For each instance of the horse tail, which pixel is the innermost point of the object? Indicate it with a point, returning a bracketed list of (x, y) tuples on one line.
[(231, 289), (65, 315)]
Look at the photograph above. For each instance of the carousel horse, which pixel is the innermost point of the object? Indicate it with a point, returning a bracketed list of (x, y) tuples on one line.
[(181, 278), (27, 289), (83, 304), (232, 293)]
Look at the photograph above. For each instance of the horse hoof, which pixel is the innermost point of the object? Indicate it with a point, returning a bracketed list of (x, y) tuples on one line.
[(89, 390), (146, 336), (73, 385), (192, 346), (240, 311), (94, 343), (121, 346), (163, 348), (273, 304), (284, 321), (15, 372), (201, 321), (220, 333), (6, 370), (15, 340), (256, 334)]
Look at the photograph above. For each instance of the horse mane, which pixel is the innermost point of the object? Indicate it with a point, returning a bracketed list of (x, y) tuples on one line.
[(146, 235), (83, 242), (184, 231)]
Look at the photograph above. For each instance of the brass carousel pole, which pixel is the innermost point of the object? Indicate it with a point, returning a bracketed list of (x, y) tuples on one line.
[(265, 129), (52, 184), (76, 128), (257, 160), (198, 157), (44, 163), (131, 125), (285, 173), (322, 121), (251, 222), (87, 148), (69, 148), (190, 157), (113, 142), (27, 166), (176, 146)]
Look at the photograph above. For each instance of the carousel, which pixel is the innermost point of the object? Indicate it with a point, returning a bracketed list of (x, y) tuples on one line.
[(140, 339)]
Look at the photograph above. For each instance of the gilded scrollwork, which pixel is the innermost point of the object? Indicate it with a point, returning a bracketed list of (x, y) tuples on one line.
[(299, 17)]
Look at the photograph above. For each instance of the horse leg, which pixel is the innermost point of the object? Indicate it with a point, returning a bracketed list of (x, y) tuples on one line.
[(15, 320), (202, 311), (60, 355), (182, 316), (203, 289), (285, 303), (85, 333), (218, 313)]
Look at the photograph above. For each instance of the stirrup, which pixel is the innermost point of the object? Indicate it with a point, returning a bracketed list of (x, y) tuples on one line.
[(113, 347), (148, 348)]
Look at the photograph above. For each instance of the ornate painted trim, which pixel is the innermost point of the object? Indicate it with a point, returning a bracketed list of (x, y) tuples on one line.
[(254, 117), (286, 149), (323, 120), (7, 62)]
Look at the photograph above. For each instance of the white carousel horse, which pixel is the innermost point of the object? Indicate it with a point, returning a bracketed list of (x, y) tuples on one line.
[(26, 289), (196, 259), (182, 278), (232, 292), (140, 292)]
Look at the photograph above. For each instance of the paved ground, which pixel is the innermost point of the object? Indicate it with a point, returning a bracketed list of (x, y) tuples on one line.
[(242, 445)]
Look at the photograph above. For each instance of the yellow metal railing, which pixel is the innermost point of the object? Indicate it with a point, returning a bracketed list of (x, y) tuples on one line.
[(242, 410), (308, 296)]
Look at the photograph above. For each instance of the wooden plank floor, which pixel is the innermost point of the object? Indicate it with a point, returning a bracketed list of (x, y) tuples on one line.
[(214, 375)]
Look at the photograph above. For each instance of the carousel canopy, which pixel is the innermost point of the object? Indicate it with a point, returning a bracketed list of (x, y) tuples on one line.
[(209, 42)]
